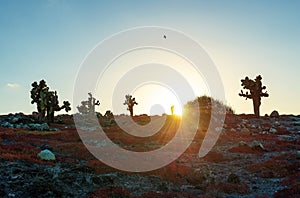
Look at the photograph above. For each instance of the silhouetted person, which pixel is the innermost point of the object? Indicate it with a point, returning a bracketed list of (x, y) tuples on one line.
[(172, 109)]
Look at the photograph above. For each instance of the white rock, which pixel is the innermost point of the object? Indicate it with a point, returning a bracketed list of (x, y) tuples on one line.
[(244, 121), (276, 123), (233, 130), (46, 155), (272, 130)]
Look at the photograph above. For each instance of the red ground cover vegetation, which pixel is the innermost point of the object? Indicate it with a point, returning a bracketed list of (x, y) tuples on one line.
[(229, 188), (19, 144), (278, 166), (246, 149)]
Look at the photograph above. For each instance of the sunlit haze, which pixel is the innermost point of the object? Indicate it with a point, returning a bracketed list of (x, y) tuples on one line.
[(50, 39)]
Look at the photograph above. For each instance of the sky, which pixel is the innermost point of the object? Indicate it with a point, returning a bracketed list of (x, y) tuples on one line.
[(50, 39)]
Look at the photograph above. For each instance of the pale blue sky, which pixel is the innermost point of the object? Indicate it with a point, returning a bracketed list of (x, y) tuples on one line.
[(49, 39)]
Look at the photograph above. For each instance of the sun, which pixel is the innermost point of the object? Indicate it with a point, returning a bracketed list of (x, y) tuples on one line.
[(156, 99)]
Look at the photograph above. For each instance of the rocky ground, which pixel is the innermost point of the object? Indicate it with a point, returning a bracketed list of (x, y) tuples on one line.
[(252, 158)]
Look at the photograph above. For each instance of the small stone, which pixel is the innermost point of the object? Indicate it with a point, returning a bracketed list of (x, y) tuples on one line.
[(19, 126), (244, 121), (276, 123), (274, 114), (257, 145), (242, 143), (38, 127), (46, 155), (7, 125), (272, 130), (245, 130), (14, 120), (233, 130)]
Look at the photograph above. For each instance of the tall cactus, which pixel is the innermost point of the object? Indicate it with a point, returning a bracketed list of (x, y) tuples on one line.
[(38, 96), (130, 102), (256, 92), (47, 101)]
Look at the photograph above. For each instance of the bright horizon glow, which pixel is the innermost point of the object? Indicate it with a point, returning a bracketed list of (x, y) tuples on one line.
[(121, 74), (157, 100)]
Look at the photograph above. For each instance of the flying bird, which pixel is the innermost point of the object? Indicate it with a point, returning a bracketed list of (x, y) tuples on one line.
[(165, 37)]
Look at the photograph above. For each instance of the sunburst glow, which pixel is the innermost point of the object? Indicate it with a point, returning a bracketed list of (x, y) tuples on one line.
[(157, 99)]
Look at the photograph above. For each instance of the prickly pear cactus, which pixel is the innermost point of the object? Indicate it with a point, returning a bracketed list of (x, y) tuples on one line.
[(88, 107), (130, 102), (47, 101), (256, 92)]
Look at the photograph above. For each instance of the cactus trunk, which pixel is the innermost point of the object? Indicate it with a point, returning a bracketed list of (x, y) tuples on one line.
[(131, 111), (256, 104)]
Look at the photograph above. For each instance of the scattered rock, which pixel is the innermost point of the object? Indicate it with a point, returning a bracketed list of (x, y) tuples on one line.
[(19, 120), (201, 176), (7, 125), (276, 123), (257, 145), (272, 130), (274, 114), (245, 130), (46, 155), (38, 127), (233, 130), (32, 179), (264, 132)]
